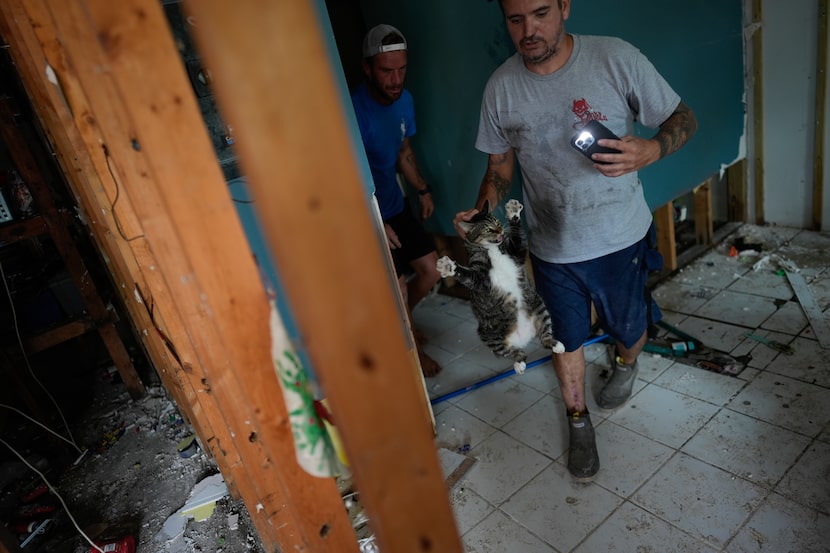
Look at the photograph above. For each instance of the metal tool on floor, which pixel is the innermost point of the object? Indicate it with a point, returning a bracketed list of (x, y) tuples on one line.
[(774, 344), (691, 351)]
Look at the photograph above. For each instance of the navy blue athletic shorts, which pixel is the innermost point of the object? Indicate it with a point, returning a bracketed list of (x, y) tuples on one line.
[(414, 239), (615, 283)]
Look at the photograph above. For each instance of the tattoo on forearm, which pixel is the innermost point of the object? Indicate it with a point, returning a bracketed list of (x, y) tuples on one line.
[(500, 184), (676, 130)]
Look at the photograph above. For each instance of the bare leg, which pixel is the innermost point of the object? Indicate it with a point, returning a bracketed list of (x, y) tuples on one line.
[(570, 370), (618, 388), (426, 276), (428, 365), (583, 459), (629, 355)]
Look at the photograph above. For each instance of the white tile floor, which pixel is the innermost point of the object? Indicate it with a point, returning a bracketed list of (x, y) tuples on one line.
[(696, 461)]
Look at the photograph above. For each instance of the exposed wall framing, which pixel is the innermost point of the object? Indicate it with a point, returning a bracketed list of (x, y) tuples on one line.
[(118, 110)]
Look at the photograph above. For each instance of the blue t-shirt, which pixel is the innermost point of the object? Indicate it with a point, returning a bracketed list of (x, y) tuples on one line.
[(383, 129)]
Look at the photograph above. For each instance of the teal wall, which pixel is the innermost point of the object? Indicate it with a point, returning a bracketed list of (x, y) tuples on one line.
[(454, 45)]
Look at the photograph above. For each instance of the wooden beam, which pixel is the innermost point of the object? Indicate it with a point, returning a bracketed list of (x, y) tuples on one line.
[(666, 243), (163, 160), (821, 117), (757, 46), (67, 122), (19, 138), (274, 82), (58, 335), (736, 191), (704, 227)]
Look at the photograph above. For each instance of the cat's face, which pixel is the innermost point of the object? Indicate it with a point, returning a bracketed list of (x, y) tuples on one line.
[(484, 229)]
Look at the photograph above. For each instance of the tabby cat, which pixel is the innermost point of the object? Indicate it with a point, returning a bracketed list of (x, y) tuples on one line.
[(509, 311)]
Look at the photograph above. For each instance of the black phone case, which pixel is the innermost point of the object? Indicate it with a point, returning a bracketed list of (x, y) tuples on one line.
[(585, 140)]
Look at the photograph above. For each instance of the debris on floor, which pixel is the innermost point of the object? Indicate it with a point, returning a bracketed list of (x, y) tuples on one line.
[(143, 468)]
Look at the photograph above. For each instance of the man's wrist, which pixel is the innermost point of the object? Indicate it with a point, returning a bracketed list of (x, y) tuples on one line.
[(424, 191)]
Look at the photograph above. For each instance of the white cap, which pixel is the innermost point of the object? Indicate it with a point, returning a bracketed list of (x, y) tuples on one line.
[(373, 41)]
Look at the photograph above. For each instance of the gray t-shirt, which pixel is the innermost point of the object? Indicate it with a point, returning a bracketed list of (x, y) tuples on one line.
[(574, 213)]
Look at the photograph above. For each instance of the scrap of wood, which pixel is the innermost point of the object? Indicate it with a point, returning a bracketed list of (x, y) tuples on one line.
[(817, 320)]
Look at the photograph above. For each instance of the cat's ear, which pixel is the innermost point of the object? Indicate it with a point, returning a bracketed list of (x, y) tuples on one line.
[(485, 209), (465, 226)]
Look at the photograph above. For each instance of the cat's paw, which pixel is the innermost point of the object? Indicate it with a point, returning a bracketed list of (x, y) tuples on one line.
[(519, 367), (446, 267), (558, 347), (513, 209)]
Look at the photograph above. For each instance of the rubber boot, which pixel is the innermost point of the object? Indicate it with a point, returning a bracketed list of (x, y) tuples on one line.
[(583, 459), (618, 388)]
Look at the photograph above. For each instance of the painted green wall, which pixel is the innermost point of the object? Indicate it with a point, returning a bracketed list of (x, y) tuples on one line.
[(454, 45)]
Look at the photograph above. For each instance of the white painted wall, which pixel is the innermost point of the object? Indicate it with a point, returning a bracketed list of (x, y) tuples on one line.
[(789, 73)]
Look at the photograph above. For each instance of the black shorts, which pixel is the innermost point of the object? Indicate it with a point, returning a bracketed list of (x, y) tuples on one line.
[(414, 239)]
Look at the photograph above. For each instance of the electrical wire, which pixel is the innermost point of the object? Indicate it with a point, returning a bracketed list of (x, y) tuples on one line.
[(26, 357), (54, 491), (40, 424), (117, 196)]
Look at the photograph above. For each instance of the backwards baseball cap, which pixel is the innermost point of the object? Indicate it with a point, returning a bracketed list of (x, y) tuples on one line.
[(373, 41)]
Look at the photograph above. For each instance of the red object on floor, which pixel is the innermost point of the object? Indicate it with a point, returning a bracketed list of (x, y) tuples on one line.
[(124, 545), (34, 494)]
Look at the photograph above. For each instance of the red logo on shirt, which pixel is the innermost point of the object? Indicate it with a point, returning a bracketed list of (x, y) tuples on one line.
[(584, 113)]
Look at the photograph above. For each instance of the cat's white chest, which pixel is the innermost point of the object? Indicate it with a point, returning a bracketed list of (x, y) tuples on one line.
[(505, 274)]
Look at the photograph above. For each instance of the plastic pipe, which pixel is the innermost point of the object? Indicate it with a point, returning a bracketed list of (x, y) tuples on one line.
[(505, 374)]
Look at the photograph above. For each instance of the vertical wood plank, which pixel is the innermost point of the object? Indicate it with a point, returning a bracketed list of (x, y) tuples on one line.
[(18, 140), (757, 45), (33, 46), (156, 137), (704, 227), (736, 191), (821, 117), (275, 84), (666, 243)]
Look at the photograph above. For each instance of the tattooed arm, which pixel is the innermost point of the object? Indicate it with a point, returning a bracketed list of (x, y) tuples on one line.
[(636, 153), (497, 179), (409, 167), (494, 186), (676, 130)]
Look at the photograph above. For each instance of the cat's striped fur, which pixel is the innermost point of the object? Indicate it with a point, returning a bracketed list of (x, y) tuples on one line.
[(509, 311)]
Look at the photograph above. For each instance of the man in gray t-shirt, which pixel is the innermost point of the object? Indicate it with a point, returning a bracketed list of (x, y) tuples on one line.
[(588, 220)]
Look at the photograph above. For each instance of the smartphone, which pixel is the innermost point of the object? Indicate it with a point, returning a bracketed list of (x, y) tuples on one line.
[(585, 140)]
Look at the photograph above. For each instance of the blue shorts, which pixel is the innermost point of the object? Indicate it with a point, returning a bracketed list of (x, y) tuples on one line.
[(615, 283)]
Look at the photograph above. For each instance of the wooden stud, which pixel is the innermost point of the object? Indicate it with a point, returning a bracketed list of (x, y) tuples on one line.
[(666, 243), (344, 300), (704, 228), (736, 191), (191, 226), (758, 108), (18, 143)]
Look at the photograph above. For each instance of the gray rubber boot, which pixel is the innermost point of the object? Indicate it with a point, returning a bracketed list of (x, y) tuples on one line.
[(583, 459), (618, 388)]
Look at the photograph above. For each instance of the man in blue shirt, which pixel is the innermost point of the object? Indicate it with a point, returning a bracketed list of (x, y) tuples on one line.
[(386, 117)]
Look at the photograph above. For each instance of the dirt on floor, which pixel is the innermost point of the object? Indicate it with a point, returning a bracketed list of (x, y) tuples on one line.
[(132, 480)]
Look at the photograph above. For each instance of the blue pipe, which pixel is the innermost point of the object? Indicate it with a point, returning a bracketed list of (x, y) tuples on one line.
[(505, 374)]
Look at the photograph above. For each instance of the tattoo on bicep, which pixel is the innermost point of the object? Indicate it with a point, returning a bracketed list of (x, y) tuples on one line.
[(676, 130)]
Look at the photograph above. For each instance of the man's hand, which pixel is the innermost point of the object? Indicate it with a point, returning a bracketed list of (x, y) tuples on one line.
[(463, 216), (427, 206), (391, 237), (635, 153)]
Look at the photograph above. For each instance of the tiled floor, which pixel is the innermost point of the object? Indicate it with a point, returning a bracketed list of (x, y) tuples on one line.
[(696, 461)]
